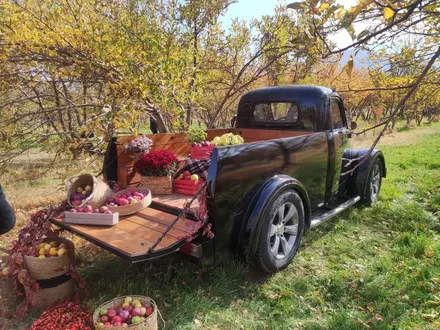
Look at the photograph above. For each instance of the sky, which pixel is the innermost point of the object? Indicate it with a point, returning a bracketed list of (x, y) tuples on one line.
[(250, 9)]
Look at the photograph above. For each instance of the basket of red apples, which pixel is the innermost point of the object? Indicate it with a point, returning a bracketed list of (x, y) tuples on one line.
[(135, 312), (129, 201), (201, 150), (187, 183)]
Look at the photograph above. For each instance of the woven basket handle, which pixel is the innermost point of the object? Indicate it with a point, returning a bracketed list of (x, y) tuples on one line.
[(69, 181), (160, 315)]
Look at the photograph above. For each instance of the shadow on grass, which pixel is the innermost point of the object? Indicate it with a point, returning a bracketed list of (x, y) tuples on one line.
[(181, 287)]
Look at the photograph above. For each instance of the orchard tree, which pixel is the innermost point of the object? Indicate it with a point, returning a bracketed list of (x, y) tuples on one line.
[(387, 22)]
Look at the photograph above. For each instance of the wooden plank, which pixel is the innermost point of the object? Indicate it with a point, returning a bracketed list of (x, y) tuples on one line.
[(145, 233), (175, 200), (164, 218), (116, 238), (143, 220)]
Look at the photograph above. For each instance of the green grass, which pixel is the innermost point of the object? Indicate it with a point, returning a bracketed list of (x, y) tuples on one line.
[(370, 268), (374, 267)]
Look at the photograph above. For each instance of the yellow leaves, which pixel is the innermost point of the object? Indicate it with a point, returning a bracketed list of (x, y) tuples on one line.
[(341, 12), (323, 7), (370, 309), (349, 66), (388, 13)]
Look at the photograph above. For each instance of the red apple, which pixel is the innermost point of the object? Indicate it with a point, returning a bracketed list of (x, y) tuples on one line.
[(88, 208), (117, 319), (111, 313), (108, 324), (149, 310), (104, 319)]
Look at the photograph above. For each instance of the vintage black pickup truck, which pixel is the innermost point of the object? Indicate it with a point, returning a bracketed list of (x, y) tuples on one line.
[(295, 170)]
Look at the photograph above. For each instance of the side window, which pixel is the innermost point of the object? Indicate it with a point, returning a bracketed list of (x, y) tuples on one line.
[(337, 121)]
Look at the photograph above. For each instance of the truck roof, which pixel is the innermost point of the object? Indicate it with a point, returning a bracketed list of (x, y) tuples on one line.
[(286, 93)]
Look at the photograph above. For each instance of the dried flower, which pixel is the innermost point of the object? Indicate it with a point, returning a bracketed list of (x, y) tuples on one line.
[(140, 145)]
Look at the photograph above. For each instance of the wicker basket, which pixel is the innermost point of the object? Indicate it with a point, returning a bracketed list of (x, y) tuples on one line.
[(158, 185), (99, 194), (44, 298), (133, 208), (8, 296), (150, 322), (47, 268)]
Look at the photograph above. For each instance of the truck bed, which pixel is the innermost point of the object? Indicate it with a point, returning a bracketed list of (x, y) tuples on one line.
[(133, 235)]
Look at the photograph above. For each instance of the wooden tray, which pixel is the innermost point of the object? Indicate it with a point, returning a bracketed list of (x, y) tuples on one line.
[(132, 208), (93, 219)]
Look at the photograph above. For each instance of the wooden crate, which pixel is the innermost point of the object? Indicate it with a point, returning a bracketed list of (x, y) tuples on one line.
[(93, 219), (187, 187), (202, 152)]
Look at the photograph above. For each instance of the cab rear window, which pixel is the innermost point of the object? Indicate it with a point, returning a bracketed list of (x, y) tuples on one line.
[(276, 112)]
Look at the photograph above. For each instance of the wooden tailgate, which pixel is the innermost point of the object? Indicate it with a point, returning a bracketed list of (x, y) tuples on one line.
[(133, 235)]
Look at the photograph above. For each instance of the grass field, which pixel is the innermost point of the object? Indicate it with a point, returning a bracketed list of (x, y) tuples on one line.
[(370, 268)]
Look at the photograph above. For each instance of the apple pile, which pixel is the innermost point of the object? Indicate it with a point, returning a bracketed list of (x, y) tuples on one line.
[(4, 269), (188, 176), (51, 250), (89, 209), (131, 311), (125, 198), (201, 144), (76, 199)]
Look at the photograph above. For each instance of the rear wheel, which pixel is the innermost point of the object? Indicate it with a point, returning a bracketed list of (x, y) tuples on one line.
[(281, 231), (374, 182)]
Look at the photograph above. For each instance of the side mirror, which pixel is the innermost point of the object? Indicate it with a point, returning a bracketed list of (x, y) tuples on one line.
[(353, 125)]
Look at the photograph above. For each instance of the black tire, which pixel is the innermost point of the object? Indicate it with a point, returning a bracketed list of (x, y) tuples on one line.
[(373, 183), (265, 257)]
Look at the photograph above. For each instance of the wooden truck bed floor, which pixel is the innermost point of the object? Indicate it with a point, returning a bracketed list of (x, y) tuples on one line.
[(133, 235)]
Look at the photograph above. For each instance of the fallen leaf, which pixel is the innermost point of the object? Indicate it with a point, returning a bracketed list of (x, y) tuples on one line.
[(378, 317)]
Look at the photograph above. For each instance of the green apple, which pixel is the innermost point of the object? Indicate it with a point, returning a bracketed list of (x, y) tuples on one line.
[(195, 177), (128, 299), (135, 320), (137, 305), (135, 301), (103, 312)]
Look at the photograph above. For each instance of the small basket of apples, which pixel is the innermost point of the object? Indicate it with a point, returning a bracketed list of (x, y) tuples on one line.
[(129, 201), (50, 259), (87, 189), (187, 183), (135, 312)]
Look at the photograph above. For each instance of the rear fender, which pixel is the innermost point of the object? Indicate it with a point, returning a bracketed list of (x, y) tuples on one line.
[(356, 183), (259, 202)]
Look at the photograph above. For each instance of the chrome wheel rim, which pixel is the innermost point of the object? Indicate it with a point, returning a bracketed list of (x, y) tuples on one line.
[(375, 182), (283, 230)]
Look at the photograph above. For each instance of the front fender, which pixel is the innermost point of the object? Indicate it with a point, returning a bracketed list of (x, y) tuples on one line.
[(356, 184), (261, 199)]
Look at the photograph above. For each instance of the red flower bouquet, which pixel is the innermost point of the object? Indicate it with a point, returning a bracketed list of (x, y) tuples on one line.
[(157, 163)]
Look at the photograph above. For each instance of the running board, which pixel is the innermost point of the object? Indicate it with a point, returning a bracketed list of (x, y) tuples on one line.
[(330, 214)]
